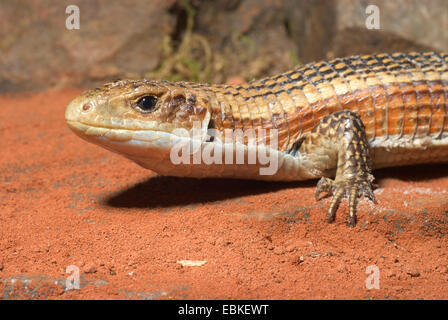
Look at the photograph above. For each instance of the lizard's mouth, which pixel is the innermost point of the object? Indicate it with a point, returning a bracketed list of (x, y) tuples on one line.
[(89, 131), (128, 142)]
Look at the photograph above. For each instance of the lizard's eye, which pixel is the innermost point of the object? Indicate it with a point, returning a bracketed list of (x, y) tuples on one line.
[(147, 104)]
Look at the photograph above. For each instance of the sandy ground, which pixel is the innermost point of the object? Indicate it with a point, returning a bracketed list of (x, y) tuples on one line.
[(64, 202)]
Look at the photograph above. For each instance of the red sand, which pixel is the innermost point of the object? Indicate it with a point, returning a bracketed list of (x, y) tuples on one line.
[(66, 202)]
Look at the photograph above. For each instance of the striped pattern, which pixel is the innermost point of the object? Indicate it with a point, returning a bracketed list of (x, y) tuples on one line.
[(396, 95)]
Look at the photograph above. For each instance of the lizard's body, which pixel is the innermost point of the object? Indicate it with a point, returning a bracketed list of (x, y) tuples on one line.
[(339, 117)]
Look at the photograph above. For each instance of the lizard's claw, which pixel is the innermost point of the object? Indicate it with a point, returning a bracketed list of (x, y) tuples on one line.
[(353, 190)]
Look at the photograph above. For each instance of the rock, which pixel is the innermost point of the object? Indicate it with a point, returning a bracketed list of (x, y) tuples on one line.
[(90, 268), (240, 39), (39, 52), (279, 250), (413, 272), (298, 260), (192, 263)]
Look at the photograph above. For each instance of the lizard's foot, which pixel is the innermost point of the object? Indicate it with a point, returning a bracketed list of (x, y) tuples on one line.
[(339, 141), (342, 139), (352, 189)]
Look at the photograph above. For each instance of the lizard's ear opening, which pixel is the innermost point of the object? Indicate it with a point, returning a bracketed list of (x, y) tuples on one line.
[(206, 124)]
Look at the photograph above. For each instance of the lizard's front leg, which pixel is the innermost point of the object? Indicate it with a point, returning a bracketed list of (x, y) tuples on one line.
[(339, 141)]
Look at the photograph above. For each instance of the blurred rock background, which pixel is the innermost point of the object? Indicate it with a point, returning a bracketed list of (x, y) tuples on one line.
[(199, 40)]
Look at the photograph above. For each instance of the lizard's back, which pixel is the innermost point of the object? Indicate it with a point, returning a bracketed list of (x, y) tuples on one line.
[(401, 98)]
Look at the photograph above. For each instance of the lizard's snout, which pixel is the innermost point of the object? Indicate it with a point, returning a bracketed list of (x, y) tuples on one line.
[(77, 108), (77, 112)]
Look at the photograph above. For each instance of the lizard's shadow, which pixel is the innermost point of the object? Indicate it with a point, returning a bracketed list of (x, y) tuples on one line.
[(413, 173), (163, 192)]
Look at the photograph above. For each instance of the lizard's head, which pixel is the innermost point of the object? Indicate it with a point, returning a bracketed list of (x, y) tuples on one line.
[(127, 116)]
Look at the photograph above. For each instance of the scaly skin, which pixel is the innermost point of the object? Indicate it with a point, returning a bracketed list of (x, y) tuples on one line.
[(334, 119)]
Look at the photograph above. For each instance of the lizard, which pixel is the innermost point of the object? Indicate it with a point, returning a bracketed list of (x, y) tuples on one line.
[(334, 120)]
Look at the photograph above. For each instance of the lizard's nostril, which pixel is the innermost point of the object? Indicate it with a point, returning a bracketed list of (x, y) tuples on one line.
[(86, 107)]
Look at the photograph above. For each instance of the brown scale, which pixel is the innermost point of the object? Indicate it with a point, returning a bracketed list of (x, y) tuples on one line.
[(409, 95), (329, 101), (441, 69), (380, 102), (394, 106), (423, 99), (292, 116), (362, 94), (395, 95), (279, 117), (436, 92), (225, 111)]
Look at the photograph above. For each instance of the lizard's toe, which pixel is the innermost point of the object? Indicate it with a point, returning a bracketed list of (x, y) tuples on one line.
[(325, 185), (353, 190)]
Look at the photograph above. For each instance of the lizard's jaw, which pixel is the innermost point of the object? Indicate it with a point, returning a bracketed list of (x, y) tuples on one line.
[(129, 143)]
